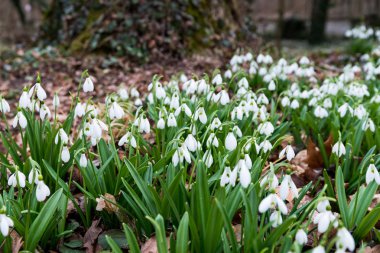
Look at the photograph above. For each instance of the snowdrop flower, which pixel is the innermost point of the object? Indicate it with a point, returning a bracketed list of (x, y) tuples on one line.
[(88, 85), (372, 174), (42, 190), (295, 104), (83, 161), (342, 110), (19, 119), (272, 86), (123, 94), (45, 112), (301, 237), (4, 106), (248, 161), (228, 177), (272, 201), (143, 124), (224, 97), (285, 101), (266, 128), (79, 110), (61, 135), (183, 108), (368, 124), (228, 74), (41, 94), (320, 112), (287, 186), (159, 91), (161, 123), (17, 178), (65, 155), (271, 180), (172, 122), (319, 249), (208, 159), (174, 102), (25, 101), (217, 80), (215, 124), (276, 218), (288, 150), (265, 146), (360, 112), (181, 154), (129, 139), (5, 222), (345, 240), (33, 176), (191, 143), (115, 111), (324, 217), (230, 142), (212, 140), (201, 115), (338, 149), (244, 174)]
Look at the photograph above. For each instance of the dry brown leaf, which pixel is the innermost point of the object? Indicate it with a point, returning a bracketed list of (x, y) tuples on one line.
[(375, 249), (91, 235), (237, 231), (17, 242), (150, 246), (106, 202)]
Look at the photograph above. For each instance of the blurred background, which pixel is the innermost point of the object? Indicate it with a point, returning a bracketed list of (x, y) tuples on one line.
[(127, 41)]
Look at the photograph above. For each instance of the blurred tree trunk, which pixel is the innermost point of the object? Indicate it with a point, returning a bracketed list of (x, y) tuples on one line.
[(319, 11), (280, 25)]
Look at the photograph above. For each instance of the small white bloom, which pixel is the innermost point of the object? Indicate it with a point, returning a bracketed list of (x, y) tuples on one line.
[(244, 174), (320, 112), (266, 128), (201, 115), (208, 159), (172, 122), (4, 106), (25, 101), (345, 240), (20, 119), (217, 80), (372, 174), (5, 224), (191, 143), (61, 135), (65, 155), (17, 178), (272, 201), (42, 191), (83, 161), (272, 86), (339, 149), (79, 110), (301, 237), (161, 123), (319, 249), (276, 218), (287, 186), (128, 138), (33, 176), (88, 85), (115, 111), (230, 142), (288, 150)]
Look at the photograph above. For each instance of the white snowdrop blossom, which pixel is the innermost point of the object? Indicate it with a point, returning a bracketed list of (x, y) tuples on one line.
[(129, 139), (20, 120), (275, 218), (338, 149), (39, 91), (17, 179), (319, 249), (345, 241), (230, 142), (201, 115), (288, 151), (272, 201), (301, 237), (181, 154), (266, 128), (61, 135), (65, 154), (25, 101), (42, 191), (88, 85), (83, 161), (287, 186), (115, 111), (191, 143), (372, 174), (5, 223), (4, 106), (217, 80)]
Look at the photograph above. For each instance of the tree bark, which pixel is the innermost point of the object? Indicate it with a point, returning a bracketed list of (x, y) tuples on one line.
[(319, 11)]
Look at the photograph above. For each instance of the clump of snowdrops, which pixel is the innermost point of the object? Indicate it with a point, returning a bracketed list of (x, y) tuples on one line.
[(204, 164)]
